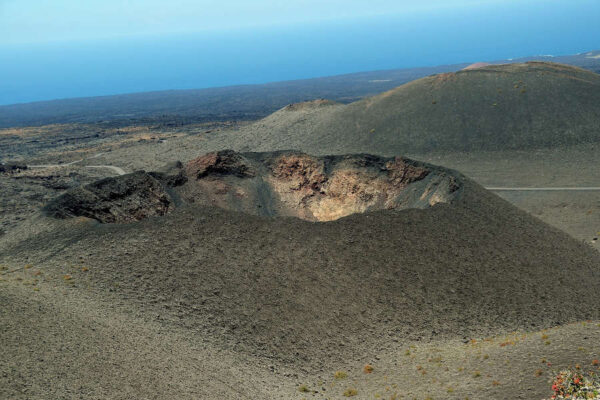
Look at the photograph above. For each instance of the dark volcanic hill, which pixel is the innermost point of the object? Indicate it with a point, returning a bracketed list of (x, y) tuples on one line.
[(316, 293), (512, 106)]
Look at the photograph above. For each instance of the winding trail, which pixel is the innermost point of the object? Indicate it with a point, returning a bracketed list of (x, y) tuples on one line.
[(54, 165), (114, 168), (117, 170)]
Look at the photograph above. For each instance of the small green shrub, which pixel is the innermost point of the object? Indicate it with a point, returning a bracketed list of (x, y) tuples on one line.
[(303, 389)]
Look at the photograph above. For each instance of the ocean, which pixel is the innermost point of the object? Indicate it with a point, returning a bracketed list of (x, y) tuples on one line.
[(33, 72)]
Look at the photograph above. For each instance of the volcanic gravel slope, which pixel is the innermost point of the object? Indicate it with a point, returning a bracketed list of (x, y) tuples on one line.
[(312, 294), (496, 107)]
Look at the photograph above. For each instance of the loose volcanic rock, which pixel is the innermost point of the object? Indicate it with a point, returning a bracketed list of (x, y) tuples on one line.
[(172, 174), (226, 162), (125, 198), (12, 167)]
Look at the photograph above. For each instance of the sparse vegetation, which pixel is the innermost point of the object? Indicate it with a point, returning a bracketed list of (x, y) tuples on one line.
[(350, 392), (539, 373), (570, 384), (340, 375), (303, 389)]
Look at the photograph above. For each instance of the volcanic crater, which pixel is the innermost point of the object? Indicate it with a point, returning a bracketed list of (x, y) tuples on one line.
[(275, 184)]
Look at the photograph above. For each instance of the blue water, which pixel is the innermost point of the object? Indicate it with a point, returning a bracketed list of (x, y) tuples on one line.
[(61, 70)]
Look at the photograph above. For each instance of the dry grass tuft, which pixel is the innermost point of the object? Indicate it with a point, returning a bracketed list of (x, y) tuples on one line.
[(340, 375)]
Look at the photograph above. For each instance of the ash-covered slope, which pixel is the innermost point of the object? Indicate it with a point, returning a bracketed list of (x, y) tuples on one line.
[(511, 106), (316, 293)]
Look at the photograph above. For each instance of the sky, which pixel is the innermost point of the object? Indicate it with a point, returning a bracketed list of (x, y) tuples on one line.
[(70, 48), (26, 21)]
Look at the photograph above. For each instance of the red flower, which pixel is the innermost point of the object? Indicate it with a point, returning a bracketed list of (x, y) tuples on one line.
[(577, 381)]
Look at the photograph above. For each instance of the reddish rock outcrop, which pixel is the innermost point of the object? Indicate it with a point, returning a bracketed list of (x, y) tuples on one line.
[(225, 162), (314, 188)]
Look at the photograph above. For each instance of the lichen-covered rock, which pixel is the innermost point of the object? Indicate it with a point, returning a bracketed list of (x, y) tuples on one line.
[(125, 198)]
